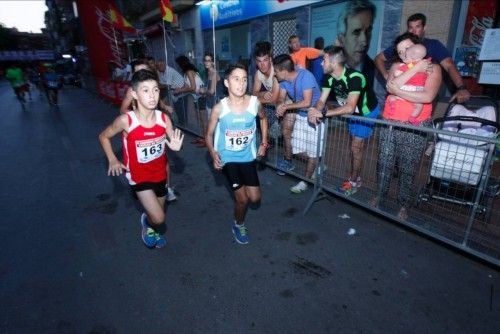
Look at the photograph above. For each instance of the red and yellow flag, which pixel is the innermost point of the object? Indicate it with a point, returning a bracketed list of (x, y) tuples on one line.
[(119, 22), (167, 12)]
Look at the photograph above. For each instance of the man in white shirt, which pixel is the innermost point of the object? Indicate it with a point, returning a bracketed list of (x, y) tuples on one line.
[(169, 76)]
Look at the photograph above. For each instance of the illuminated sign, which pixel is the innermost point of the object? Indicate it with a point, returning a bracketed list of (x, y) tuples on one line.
[(232, 11)]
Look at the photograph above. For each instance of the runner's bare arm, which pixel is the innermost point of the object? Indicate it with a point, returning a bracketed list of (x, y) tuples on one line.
[(209, 137), (120, 124)]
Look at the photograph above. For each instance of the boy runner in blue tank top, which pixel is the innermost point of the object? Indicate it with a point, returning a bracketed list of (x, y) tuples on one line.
[(231, 138)]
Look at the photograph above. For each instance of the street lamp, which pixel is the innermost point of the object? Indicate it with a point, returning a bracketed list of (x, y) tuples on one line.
[(213, 15)]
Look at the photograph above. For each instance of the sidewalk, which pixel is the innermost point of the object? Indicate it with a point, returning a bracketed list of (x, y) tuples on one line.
[(72, 260)]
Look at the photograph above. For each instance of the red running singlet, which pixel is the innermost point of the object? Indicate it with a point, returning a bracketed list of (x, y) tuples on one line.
[(144, 150)]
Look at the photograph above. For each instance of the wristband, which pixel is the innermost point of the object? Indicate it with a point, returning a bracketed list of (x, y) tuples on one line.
[(264, 145), (462, 87)]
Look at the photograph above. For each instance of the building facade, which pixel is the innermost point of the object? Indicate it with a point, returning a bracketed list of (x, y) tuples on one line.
[(231, 28)]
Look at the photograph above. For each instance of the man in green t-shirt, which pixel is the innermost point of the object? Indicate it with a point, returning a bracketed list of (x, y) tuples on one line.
[(354, 96)]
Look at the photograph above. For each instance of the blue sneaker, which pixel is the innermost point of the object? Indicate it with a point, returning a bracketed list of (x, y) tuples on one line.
[(284, 166), (240, 234), (161, 241), (148, 234)]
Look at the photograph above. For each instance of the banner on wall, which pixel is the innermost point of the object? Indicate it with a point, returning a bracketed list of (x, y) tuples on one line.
[(231, 11), (104, 43), (325, 23)]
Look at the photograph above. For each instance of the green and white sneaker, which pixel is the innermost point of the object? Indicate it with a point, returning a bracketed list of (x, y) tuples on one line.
[(240, 234), (148, 233)]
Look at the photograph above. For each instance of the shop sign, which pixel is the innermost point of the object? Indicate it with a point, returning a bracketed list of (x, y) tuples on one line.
[(232, 11), (26, 55)]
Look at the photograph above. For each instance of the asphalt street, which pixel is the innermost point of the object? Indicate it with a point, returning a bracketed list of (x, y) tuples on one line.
[(72, 260)]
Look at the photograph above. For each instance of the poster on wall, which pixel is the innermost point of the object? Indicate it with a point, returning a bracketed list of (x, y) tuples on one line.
[(490, 73), (490, 49), (362, 32), (466, 61), (223, 43)]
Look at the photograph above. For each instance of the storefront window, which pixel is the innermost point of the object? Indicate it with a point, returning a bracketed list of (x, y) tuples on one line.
[(231, 45)]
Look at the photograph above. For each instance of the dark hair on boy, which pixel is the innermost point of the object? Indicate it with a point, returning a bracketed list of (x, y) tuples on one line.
[(262, 48), (417, 17), (141, 76), (232, 67), (283, 62)]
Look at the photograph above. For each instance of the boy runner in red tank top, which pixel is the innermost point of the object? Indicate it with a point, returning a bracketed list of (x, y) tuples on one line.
[(145, 131)]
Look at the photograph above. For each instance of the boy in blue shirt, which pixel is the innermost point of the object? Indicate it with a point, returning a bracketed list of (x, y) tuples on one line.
[(231, 137)]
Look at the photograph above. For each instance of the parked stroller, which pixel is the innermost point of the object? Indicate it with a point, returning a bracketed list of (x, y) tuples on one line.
[(460, 168)]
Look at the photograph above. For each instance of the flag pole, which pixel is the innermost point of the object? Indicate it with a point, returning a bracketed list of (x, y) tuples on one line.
[(114, 37), (165, 42), (212, 14)]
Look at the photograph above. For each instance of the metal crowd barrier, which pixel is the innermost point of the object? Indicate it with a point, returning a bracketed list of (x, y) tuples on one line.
[(454, 191)]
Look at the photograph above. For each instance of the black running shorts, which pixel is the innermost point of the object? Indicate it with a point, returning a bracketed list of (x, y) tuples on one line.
[(158, 188), (241, 174)]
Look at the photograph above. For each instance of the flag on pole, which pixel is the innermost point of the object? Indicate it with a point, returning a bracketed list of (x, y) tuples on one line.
[(119, 22), (167, 12)]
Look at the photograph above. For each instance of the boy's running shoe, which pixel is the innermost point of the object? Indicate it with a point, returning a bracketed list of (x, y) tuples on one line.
[(284, 166), (170, 195), (161, 241), (240, 234), (148, 234)]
